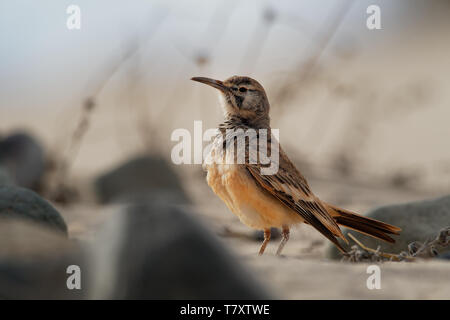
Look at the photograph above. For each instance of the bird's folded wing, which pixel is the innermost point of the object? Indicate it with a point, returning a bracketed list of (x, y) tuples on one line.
[(291, 188)]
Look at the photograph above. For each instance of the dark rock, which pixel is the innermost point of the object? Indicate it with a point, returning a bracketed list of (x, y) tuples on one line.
[(34, 261), (445, 256), (5, 178), (141, 178), (17, 202), (420, 221), (162, 252), (23, 157)]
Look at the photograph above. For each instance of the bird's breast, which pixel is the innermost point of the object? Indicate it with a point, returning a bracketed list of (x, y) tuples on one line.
[(254, 206)]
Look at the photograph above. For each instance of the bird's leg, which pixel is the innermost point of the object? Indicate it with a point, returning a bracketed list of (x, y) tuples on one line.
[(265, 242), (285, 234)]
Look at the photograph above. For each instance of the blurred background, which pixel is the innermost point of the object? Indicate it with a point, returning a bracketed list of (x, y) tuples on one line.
[(363, 113), (372, 101)]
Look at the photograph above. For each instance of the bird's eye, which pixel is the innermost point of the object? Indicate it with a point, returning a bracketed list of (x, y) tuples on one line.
[(242, 89)]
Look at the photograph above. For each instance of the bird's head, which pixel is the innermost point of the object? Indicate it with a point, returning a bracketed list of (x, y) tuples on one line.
[(243, 97)]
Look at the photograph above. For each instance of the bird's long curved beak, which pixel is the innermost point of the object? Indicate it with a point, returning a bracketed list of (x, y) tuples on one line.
[(211, 82)]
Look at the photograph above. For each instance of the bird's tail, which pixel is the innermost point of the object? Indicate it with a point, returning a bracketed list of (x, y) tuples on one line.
[(368, 226)]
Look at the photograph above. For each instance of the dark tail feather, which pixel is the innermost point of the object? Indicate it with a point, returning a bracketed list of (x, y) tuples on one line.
[(365, 225)]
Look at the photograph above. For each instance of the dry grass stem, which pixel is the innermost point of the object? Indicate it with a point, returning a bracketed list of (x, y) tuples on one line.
[(415, 250)]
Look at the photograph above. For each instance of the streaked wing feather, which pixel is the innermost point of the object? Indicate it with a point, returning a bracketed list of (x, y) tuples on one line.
[(291, 188), (286, 199)]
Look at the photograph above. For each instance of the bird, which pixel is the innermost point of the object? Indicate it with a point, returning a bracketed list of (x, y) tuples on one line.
[(282, 199)]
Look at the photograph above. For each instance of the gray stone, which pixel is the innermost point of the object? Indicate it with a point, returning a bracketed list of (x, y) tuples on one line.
[(23, 157), (17, 202), (444, 256), (155, 251), (5, 178), (34, 261), (420, 221), (141, 178)]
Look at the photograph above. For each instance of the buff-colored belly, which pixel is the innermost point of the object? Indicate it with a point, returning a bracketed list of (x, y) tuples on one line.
[(255, 208)]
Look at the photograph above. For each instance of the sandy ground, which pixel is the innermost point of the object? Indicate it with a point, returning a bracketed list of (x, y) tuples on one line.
[(303, 272)]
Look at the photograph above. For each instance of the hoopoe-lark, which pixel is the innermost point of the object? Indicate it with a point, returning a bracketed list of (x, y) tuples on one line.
[(279, 200)]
